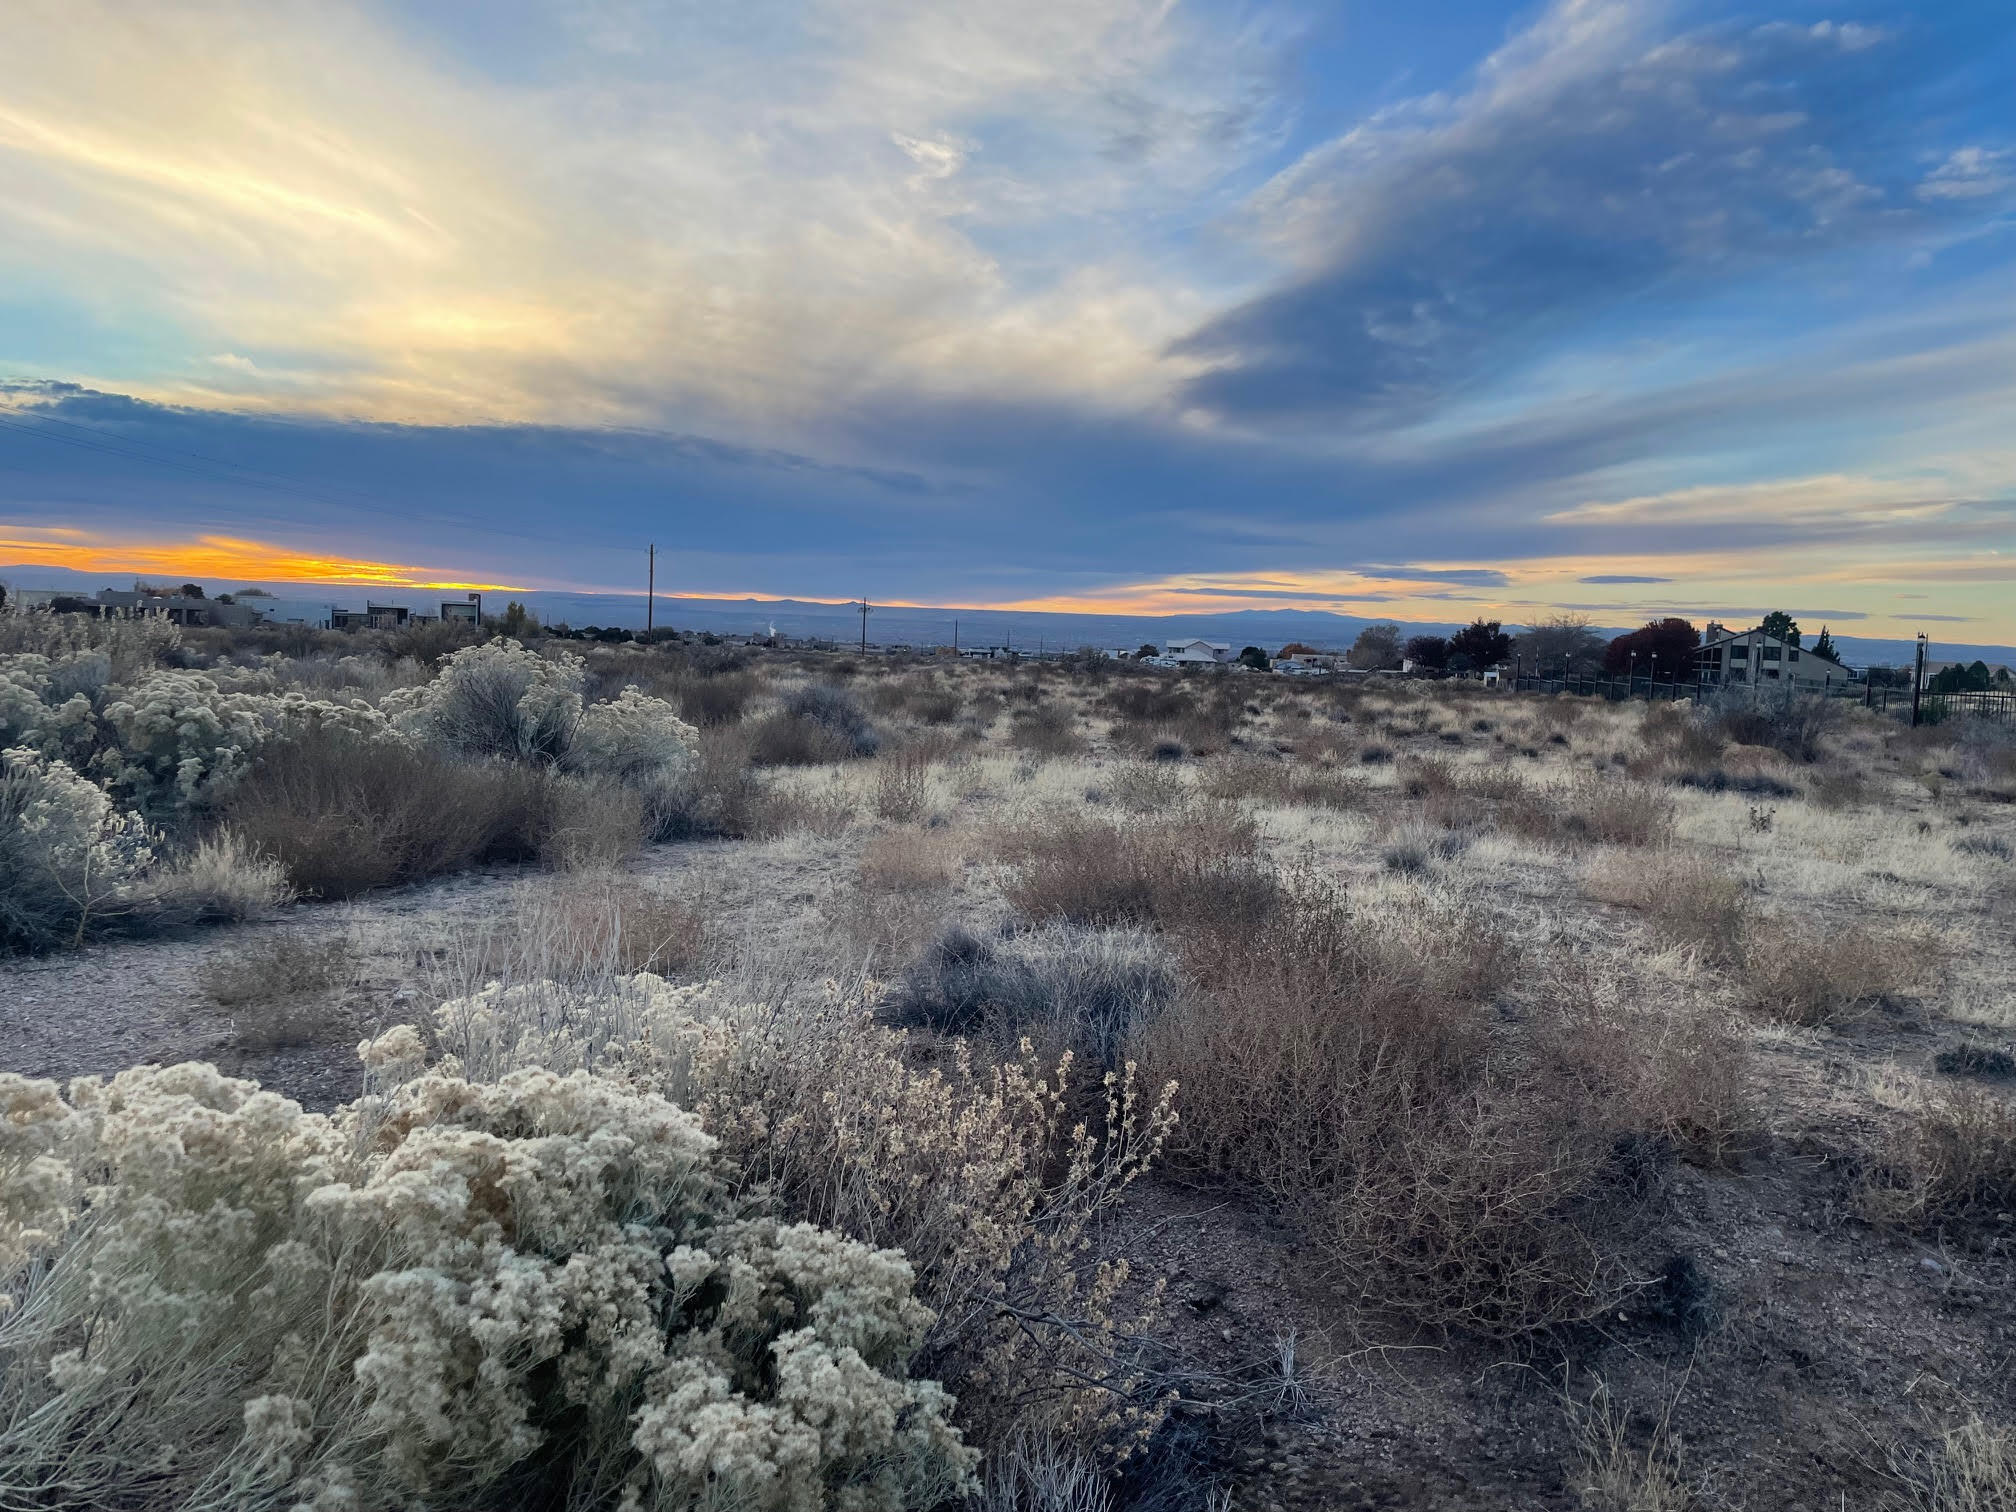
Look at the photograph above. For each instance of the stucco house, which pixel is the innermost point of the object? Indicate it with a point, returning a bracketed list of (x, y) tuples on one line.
[(1195, 652), (1751, 657)]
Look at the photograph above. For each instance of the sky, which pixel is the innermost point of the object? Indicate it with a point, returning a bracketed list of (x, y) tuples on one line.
[(1613, 307)]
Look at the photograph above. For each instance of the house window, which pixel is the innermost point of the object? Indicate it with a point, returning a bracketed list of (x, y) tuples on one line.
[(1770, 653), (1791, 653), (1771, 672), (1739, 652)]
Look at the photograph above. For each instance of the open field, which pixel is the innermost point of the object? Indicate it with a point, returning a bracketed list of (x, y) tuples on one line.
[(1320, 1095)]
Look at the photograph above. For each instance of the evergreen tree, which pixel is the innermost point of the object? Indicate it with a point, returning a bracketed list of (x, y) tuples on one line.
[(1782, 625)]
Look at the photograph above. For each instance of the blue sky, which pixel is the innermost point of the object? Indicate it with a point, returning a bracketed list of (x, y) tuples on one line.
[(1611, 306)]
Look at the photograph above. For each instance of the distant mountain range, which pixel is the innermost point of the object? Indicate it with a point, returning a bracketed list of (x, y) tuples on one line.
[(1269, 629)]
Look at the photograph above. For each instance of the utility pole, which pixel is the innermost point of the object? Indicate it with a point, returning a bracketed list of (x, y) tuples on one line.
[(955, 637), (651, 588), (1917, 677), (865, 607)]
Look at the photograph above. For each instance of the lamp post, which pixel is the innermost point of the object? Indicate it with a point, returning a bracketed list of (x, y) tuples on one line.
[(1631, 676)]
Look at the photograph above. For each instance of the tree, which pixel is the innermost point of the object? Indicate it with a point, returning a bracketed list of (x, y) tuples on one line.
[(518, 621), (1430, 651), (1296, 648), (1481, 643), (1254, 657), (1782, 625), (1147, 650), (191, 590), (1563, 646), (1377, 647), (1825, 647), (1662, 646), (1959, 679)]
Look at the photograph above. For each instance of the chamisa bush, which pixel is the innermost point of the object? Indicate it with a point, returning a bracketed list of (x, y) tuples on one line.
[(537, 1291), (983, 1177)]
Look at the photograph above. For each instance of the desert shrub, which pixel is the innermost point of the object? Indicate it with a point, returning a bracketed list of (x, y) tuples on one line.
[(979, 1178), (221, 879), (910, 860), (1687, 900), (176, 738), (1289, 784), (588, 823), (782, 739), (1147, 789), (632, 738), (1975, 1060), (1048, 729), (1065, 988), (1416, 847), (1675, 735), (1342, 1063), (902, 787), (1755, 784), (1790, 722), (1809, 974), (285, 965), (1593, 808), (834, 711), (935, 705), (717, 700), (1198, 868), (451, 1293), (345, 814), (1994, 847), (496, 699), (1944, 1160), (716, 796), (70, 862), (1147, 700)]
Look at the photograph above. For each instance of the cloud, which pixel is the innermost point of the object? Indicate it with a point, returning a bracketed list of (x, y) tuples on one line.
[(1969, 173), (1596, 157), (1621, 577)]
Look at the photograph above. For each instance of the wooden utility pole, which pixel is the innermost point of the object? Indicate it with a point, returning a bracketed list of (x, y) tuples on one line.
[(865, 607), (651, 588)]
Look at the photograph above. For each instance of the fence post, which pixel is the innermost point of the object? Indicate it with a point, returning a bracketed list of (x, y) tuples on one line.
[(1917, 677)]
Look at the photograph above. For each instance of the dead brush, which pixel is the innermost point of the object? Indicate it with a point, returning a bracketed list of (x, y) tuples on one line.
[(1943, 1161), (902, 792), (1590, 809), (1201, 864), (910, 860), (1809, 975), (1342, 1060), (283, 992), (1687, 900)]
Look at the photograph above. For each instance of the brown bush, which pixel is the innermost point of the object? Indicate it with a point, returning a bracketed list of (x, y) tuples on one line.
[(718, 797), (1808, 974), (1199, 868), (1686, 899), (1048, 729), (1343, 1062), (592, 823), (282, 992), (720, 700), (1288, 784), (1609, 810), (902, 786), (344, 815), (910, 860), (783, 739), (1944, 1161)]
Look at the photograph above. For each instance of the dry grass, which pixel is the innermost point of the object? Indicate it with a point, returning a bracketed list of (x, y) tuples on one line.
[(911, 860), (1944, 1160), (1686, 898), (1809, 974)]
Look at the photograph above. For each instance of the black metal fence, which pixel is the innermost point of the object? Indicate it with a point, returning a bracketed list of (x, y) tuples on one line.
[(1932, 708)]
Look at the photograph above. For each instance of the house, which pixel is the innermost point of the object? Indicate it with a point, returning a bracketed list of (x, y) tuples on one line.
[(1751, 657), (1191, 653)]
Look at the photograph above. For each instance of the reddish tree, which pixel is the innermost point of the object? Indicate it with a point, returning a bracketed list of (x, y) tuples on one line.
[(1667, 644)]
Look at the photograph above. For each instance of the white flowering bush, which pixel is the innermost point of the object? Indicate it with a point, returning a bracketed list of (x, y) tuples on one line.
[(979, 1177), (68, 857), (450, 1293), (47, 704), (496, 699), (635, 738), (178, 737)]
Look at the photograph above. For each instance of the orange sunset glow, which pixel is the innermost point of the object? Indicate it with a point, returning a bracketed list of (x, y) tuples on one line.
[(214, 556)]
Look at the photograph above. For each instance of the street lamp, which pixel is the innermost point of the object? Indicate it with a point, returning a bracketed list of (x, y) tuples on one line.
[(1631, 674), (1652, 678)]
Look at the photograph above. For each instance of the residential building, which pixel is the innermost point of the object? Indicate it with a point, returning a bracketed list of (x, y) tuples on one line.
[(1194, 652), (2000, 675), (1752, 657)]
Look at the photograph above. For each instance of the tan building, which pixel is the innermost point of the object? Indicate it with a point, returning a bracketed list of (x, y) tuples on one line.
[(1752, 657)]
